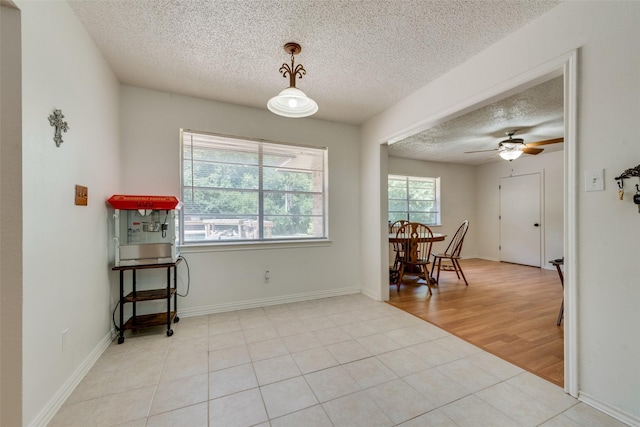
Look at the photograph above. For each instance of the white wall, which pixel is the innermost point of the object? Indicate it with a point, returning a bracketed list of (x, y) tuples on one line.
[(233, 277), (550, 165), (66, 270), (458, 197), (10, 217), (608, 240)]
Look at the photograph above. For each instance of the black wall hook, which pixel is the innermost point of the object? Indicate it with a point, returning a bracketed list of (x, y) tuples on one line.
[(629, 173)]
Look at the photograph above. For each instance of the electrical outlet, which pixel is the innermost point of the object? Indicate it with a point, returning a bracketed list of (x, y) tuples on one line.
[(64, 339)]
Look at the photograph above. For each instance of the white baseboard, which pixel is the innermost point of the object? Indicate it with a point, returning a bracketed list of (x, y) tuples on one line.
[(616, 413), (263, 302), (483, 257), (47, 413), (544, 266), (370, 293)]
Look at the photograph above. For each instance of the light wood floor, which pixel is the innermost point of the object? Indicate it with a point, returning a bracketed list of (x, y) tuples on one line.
[(509, 310)]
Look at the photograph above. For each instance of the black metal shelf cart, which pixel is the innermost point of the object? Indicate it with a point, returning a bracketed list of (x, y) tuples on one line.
[(146, 320)]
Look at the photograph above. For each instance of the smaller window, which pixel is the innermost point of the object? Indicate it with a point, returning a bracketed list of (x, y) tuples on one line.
[(415, 199)]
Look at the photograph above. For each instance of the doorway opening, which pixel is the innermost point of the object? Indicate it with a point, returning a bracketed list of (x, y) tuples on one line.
[(565, 66)]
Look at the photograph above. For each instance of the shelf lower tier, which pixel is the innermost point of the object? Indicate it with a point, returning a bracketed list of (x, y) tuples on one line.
[(149, 295), (146, 320)]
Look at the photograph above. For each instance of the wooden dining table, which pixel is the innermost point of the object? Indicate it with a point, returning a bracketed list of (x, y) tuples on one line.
[(393, 238), (437, 237)]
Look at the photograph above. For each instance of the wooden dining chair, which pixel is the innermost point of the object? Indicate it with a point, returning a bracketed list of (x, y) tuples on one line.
[(413, 246), (395, 226), (393, 229), (559, 262), (451, 255)]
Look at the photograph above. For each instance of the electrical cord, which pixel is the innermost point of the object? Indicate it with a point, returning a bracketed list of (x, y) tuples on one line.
[(188, 277), (113, 317)]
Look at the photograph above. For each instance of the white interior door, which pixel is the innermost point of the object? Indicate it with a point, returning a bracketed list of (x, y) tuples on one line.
[(520, 214)]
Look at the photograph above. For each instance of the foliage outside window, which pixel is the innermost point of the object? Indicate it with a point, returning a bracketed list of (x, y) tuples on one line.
[(415, 199), (237, 189)]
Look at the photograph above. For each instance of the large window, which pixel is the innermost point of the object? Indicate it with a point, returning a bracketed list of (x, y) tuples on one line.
[(246, 190), (415, 199)]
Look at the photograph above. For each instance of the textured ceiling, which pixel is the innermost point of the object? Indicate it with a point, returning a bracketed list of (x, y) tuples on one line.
[(535, 114), (361, 56)]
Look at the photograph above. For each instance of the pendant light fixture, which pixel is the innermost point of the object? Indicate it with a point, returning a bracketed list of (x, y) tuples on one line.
[(292, 102)]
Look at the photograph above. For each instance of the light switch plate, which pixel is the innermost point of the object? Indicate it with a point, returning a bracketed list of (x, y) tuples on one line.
[(594, 180), (82, 195)]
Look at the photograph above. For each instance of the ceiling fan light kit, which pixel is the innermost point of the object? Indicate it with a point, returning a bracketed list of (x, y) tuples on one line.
[(512, 148), (292, 102), (510, 153)]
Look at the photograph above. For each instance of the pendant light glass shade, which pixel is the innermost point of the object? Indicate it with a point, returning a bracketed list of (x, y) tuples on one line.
[(510, 154), (292, 102), (511, 149)]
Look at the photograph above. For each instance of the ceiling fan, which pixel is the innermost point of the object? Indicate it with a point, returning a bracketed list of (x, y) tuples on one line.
[(512, 148)]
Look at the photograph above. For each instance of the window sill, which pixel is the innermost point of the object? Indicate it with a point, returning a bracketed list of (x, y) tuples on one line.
[(252, 246)]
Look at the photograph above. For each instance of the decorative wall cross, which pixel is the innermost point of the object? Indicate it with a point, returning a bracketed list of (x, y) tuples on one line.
[(61, 126)]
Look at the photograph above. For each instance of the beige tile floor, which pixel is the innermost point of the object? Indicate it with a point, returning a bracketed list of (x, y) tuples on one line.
[(342, 361)]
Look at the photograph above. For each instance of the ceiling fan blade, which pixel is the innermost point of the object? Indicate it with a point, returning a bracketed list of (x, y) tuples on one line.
[(545, 142), (480, 151), (530, 150)]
